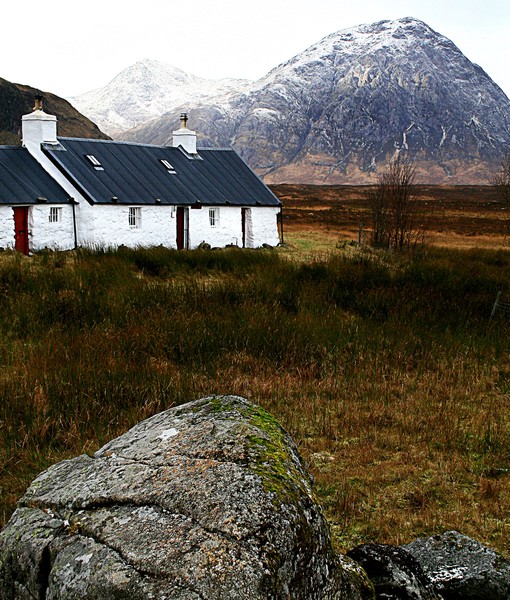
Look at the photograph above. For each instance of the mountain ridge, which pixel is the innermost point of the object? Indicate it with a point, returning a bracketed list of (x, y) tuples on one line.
[(341, 109)]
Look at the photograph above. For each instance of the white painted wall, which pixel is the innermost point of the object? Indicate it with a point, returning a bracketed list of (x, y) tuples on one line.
[(265, 225), (110, 227), (41, 233), (227, 229), (261, 226), (6, 227), (55, 236)]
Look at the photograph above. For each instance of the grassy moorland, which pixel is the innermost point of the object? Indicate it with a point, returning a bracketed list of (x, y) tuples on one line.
[(387, 372), (453, 216)]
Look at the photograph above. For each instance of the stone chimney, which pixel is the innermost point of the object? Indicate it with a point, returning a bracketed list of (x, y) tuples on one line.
[(184, 137), (38, 127)]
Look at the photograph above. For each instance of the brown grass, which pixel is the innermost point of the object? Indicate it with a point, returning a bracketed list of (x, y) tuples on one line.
[(454, 216), (388, 373)]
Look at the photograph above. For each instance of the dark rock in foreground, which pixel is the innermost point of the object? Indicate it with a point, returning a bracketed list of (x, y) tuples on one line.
[(462, 568), (207, 500), (395, 573)]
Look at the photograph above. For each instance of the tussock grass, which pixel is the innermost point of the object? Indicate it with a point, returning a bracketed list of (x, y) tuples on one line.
[(387, 372)]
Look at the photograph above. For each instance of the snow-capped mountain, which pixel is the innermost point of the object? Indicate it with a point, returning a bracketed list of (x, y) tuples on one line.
[(146, 90), (340, 110)]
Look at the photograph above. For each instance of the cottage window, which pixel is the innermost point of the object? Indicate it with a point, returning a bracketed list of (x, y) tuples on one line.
[(95, 162), (135, 217), (214, 217), (55, 214), (167, 166)]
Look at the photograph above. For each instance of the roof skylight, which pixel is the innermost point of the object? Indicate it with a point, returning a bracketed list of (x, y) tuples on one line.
[(95, 162), (167, 165)]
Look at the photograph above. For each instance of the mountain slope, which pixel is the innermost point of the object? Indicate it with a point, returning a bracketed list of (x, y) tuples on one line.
[(337, 112), (17, 100), (147, 90)]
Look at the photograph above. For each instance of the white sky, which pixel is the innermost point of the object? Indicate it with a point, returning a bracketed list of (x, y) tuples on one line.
[(70, 47)]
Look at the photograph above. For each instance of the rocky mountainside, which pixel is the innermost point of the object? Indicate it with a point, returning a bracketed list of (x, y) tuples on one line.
[(147, 90), (17, 100), (339, 111)]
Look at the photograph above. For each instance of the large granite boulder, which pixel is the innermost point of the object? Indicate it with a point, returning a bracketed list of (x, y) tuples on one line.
[(461, 568), (206, 500), (395, 573)]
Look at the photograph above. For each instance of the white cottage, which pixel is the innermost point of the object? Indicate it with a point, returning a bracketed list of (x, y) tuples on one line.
[(65, 192)]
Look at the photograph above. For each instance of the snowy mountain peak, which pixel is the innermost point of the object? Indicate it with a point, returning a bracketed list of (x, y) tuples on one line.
[(387, 37), (146, 90)]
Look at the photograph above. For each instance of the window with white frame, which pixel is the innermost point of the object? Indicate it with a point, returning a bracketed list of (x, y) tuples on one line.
[(55, 214), (135, 217), (214, 217)]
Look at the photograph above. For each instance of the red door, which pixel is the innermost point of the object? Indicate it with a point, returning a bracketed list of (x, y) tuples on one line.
[(21, 229), (182, 228)]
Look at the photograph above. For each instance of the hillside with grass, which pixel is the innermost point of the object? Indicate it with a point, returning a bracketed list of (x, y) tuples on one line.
[(387, 372), (17, 100)]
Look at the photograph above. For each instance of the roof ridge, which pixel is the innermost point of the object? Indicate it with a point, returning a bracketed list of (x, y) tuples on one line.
[(121, 142), (143, 144)]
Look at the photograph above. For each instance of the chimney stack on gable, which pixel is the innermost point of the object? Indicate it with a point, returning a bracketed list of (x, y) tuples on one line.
[(185, 137), (38, 127)]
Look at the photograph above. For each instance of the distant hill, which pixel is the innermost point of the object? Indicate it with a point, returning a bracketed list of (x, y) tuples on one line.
[(17, 100)]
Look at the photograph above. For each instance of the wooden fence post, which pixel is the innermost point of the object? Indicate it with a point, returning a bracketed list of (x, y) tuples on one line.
[(495, 307)]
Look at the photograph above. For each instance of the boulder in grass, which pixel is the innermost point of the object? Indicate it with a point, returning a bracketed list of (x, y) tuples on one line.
[(395, 573), (462, 568), (206, 500)]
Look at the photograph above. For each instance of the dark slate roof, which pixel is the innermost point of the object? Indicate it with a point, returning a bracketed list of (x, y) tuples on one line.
[(133, 174), (23, 180)]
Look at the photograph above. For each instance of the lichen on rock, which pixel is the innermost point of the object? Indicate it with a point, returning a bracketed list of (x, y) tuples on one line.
[(206, 500)]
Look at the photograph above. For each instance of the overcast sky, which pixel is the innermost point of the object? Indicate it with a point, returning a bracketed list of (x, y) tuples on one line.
[(70, 47)]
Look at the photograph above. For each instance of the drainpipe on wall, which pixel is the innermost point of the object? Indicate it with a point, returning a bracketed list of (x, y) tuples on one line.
[(281, 224), (73, 204)]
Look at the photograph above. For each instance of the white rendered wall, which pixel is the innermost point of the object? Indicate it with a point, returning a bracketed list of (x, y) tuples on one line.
[(227, 229), (264, 226), (6, 227), (111, 227), (55, 236), (261, 226), (41, 233)]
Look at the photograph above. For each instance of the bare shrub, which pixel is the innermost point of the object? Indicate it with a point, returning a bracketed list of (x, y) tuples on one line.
[(501, 183), (501, 180), (393, 206)]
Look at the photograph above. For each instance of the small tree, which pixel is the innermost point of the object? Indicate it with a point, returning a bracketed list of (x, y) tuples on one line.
[(501, 180), (501, 183), (393, 206)]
